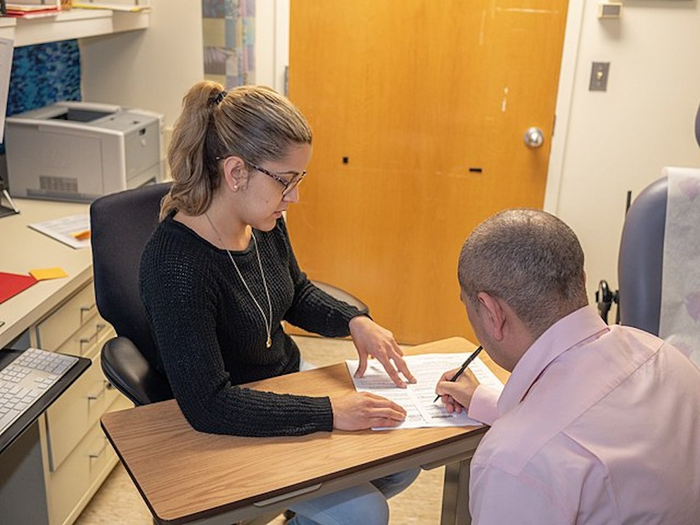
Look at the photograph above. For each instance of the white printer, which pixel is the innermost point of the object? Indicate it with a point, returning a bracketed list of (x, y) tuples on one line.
[(78, 151)]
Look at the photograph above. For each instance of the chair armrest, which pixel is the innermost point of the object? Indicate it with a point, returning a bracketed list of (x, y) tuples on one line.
[(342, 295), (132, 374)]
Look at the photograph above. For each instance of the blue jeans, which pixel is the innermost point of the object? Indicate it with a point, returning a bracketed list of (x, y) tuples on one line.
[(364, 504)]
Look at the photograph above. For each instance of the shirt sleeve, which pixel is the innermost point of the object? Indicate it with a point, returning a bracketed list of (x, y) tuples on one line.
[(484, 405)]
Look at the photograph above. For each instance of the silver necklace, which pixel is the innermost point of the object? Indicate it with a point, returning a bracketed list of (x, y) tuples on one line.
[(268, 320)]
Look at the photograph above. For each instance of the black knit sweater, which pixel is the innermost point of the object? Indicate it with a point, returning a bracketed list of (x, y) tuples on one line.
[(210, 336)]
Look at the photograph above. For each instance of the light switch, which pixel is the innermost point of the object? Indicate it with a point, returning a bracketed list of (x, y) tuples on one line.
[(609, 10), (599, 76)]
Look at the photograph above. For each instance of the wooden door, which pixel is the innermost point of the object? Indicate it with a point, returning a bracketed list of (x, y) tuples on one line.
[(419, 109)]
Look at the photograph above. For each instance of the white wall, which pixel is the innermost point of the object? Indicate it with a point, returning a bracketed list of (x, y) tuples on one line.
[(607, 143), (149, 69), (271, 43)]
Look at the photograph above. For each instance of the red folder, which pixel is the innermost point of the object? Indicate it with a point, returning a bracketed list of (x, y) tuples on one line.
[(11, 284)]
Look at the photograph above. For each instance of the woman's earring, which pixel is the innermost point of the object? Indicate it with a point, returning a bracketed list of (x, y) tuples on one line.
[(238, 173)]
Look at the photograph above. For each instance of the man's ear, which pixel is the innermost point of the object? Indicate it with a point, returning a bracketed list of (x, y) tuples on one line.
[(234, 172), (493, 315)]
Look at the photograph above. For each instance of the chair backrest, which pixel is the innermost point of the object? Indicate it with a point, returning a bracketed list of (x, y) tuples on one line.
[(640, 264), (121, 224)]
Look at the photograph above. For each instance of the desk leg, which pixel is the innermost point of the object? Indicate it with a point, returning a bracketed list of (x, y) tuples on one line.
[(455, 494)]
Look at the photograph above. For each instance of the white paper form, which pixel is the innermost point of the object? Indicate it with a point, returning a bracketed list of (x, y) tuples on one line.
[(418, 398), (65, 229)]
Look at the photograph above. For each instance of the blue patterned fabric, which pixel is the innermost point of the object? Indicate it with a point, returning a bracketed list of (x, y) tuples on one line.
[(43, 74)]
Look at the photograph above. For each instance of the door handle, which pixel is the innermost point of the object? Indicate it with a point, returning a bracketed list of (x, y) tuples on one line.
[(534, 138)]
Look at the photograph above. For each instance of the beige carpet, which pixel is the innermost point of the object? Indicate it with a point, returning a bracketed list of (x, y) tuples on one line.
[(118, 502)]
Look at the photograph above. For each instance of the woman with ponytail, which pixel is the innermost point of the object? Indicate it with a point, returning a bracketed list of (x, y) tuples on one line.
[(219, 276)]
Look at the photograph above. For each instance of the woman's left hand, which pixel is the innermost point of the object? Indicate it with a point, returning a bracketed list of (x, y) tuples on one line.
[(373, 340)]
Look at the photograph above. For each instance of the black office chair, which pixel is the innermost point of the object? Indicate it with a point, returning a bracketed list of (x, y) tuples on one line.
[(121, 224)]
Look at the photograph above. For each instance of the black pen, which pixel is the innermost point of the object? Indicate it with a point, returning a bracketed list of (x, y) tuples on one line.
[(463, 367)]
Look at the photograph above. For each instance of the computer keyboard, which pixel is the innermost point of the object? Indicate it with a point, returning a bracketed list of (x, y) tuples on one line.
[(25, 379)]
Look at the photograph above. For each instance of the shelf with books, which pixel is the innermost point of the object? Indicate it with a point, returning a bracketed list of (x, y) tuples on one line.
[(73, 23)]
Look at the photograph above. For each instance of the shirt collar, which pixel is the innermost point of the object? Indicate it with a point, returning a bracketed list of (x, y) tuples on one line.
[(566, 333)]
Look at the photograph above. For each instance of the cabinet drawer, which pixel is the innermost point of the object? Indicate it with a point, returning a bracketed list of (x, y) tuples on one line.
[(59, 326), (69, 485), (72, 415), (88, 341)]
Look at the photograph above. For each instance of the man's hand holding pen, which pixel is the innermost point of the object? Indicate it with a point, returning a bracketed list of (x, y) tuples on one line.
[(456, 395), (457, 387)]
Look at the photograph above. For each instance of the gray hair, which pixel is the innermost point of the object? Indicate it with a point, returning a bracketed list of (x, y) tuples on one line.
[(531, 260)]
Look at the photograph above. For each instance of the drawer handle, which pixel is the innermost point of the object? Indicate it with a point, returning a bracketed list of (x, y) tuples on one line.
[(96, 455), (95, 397), (86, 340), (89, 340), (87, 310)]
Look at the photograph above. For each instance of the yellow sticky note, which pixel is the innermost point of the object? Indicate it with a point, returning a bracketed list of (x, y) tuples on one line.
[(42, 274)]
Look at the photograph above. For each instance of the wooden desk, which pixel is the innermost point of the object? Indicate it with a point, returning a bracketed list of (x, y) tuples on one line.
[(186, 476)]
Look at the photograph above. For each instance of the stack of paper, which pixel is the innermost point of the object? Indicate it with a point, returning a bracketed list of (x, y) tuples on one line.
[(33, 8)]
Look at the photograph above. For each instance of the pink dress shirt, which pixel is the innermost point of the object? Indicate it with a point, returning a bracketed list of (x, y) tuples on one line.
[(596, 425)]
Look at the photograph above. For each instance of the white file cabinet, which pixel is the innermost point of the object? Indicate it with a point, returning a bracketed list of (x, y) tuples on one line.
[(76, 455)]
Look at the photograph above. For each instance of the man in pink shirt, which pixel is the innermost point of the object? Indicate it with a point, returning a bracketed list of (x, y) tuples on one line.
[(596, 425)]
